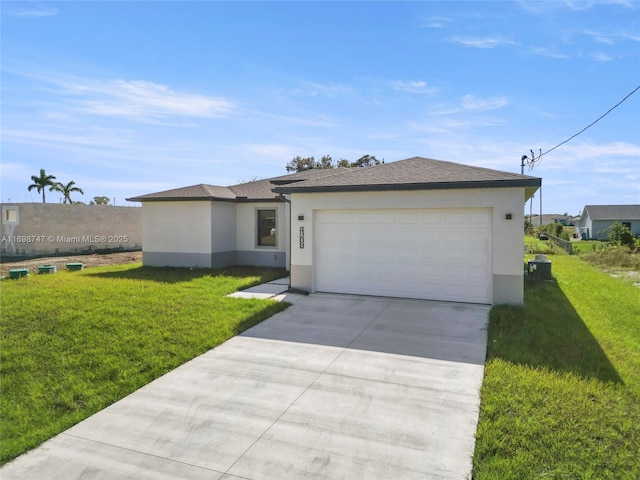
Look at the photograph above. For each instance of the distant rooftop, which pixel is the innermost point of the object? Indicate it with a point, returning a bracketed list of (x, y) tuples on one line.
[(612, 212)]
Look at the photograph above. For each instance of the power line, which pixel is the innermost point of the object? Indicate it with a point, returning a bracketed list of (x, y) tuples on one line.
[(532, 161)]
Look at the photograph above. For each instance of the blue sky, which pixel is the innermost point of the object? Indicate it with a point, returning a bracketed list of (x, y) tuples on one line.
[(133, 97)]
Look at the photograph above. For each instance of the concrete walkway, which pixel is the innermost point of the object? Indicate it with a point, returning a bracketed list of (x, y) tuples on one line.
[(273, 290), (333, 387)]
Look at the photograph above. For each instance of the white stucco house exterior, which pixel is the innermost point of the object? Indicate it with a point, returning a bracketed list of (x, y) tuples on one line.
[(415, 228)]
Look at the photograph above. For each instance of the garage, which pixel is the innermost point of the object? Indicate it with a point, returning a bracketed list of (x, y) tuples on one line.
[(435, 254)]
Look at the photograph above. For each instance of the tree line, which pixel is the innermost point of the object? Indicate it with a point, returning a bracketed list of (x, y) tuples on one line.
[(300, 164), (42, 182)]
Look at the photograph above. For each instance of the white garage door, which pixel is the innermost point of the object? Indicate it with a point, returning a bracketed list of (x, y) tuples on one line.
[(436, 254)]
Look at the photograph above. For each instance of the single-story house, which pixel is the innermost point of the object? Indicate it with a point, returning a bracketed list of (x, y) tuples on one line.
[(551, 218), (597, 219), (415, 228)]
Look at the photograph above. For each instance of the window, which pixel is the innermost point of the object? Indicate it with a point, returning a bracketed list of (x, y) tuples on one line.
[(267, 228), (627, 224), (11, 215)]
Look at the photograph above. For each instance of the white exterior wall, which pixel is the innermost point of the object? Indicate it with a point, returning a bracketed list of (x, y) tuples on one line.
[(249, 253), (177, 233), (224, 228), (210, 234), (507, 238)]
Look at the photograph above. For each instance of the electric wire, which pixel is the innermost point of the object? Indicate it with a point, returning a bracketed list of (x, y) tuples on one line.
[(531, 161)]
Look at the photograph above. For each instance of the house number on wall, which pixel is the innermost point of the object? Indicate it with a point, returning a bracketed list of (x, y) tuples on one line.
[(301, 237)]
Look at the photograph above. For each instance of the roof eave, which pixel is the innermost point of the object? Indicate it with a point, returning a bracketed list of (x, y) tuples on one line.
[(528, 182), (275, 198)]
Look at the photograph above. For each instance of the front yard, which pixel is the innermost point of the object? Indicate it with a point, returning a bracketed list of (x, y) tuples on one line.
[(75, 342), (560, 397), (561, 394)]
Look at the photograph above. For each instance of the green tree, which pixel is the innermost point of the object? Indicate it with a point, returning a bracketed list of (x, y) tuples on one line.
[(325, 162), (41, 182), (67, 190), (100, 201), (299, 164), (621, 235), (367, 161)]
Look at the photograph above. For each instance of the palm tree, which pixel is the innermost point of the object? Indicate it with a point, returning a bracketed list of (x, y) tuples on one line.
[(67, 190), (41, 182)]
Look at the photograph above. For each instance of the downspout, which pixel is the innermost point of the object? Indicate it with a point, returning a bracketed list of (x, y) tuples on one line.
[(284, 198), (291, 289)]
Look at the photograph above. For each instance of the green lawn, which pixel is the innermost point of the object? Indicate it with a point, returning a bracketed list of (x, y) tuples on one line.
[(75, 342), (535, 245), (584, 246), (561, 393)]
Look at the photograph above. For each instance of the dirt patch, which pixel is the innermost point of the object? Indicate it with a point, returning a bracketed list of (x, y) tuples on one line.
[(629, 276), (89, 260)]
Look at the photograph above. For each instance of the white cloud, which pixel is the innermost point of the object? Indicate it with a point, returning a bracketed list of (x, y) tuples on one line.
[(85, 136), (418, 86), (436, 22), (545, 52), (35, 10), (482, 42), (610, 38), (601, 57), (144, 100), (271, 151), (542, 8), (315, 89), (471, 102)]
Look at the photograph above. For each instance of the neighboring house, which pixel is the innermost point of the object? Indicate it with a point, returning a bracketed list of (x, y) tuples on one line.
[(551, 218), (597, 219), (415, 228)]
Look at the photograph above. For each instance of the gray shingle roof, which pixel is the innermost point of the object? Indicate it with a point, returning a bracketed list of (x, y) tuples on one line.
[(193, 192), (612, 212), (308, 175), (415, 173)]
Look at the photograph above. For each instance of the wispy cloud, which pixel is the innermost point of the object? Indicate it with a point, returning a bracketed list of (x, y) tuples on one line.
[(587, 158), (471, 102), (143, 100), (31, 10), (610, 38), (482, 42), (436, 22), (601, 57), (585, 5), (315, 89), (546, 52), (542, 8), (93, 136), (416, 86)]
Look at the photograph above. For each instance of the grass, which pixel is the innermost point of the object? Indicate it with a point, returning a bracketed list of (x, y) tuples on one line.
[(535, 245), (73, 343), (586, 246), (561, 393)]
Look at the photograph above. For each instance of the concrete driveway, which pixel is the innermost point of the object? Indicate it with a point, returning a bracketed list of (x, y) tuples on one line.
[(334, 387)]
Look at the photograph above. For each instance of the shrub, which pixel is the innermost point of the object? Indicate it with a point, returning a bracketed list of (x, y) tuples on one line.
[(614, 256), (621, 235)]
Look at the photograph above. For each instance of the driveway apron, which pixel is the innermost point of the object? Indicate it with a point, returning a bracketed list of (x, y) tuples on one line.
[(333, 387)]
